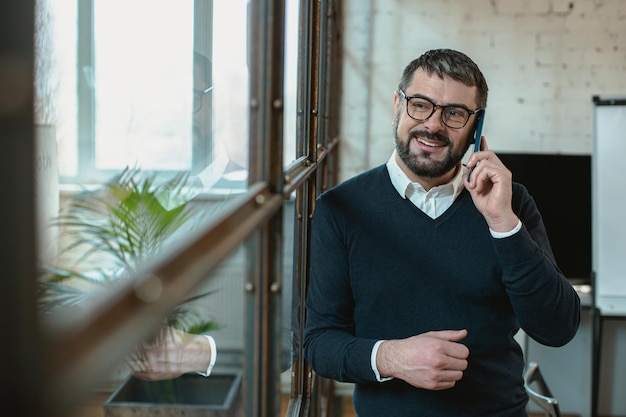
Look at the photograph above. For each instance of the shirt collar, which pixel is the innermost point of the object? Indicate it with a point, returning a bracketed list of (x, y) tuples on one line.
[(404, 185)]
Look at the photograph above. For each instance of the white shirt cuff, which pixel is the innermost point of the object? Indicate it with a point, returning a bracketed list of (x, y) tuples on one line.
[(373, 363), (213, 356), (502, 235)]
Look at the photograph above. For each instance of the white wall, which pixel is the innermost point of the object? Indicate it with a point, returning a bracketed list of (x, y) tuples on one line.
[(543, 60)]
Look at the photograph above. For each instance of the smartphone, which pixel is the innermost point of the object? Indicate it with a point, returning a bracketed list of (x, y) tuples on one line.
[(477, 136), (479, 130)]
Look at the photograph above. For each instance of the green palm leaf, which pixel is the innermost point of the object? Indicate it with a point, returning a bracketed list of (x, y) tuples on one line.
[(127, 221)]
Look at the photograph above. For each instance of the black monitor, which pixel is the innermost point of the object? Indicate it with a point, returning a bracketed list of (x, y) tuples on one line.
[(561, 187)]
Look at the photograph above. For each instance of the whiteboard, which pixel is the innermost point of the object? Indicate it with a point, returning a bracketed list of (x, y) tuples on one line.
[(609, 205)]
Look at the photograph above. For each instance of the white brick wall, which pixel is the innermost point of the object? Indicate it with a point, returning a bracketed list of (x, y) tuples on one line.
[(543, 60)]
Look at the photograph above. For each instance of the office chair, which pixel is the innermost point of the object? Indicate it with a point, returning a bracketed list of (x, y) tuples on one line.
[(542, 395)]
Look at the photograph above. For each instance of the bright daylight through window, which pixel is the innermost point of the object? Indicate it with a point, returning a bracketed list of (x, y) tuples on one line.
[(160, 91), (165, 91)]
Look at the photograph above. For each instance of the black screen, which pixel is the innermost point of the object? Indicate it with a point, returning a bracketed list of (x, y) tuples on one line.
[(561, 187)]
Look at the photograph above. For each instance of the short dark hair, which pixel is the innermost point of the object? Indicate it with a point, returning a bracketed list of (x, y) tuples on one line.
[(451, 63)]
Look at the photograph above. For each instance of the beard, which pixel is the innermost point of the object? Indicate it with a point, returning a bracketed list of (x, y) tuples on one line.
[(422, 164)]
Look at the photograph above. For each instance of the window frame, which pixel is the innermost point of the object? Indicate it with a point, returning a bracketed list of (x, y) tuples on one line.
[(77, 357)]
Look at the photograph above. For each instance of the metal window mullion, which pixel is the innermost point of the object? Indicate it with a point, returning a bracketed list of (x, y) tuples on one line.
[(333, 92), (203, 43), (264, 270), (85, 73), (324, 92), (322, 69), (323, 147), (305, 51), (302, 388)]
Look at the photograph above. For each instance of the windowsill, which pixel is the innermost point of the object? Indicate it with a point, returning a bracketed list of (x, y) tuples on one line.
[(224, 187)]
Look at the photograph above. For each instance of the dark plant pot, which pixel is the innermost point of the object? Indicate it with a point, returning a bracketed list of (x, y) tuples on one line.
[(218, 395)]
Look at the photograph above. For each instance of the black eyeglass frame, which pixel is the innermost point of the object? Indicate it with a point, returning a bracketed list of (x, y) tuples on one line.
[(435, 107)]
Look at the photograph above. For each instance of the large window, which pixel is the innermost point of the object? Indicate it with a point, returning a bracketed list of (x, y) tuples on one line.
[(229, 92), (144, 84), (165, 90), (127, 87)]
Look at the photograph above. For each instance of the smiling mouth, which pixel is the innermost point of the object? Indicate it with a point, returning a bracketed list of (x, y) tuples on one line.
[(430, 144), (430, 140)]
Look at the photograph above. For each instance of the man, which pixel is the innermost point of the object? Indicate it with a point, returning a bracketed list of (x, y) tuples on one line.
[(421, 277)]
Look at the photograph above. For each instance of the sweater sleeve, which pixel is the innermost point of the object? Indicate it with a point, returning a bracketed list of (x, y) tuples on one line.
[(545, 303), (330, 344)]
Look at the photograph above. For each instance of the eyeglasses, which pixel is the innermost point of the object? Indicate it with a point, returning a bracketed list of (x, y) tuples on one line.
[(421, 108), (198, 96)]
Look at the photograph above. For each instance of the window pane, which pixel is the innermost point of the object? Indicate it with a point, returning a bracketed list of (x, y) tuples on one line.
[(143, 84), (291, 79), (290, 302), (165, 90), (170, 83), (231, 92), (225, 307)]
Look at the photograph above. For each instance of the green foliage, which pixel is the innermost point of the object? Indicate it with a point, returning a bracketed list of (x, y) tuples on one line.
[(123, 224)]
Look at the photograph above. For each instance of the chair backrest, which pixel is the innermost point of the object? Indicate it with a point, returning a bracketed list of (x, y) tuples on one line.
[(538, 391)]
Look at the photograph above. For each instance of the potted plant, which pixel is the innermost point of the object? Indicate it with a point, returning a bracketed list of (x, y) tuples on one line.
[(112, 231), (115, 229), (218, 395)]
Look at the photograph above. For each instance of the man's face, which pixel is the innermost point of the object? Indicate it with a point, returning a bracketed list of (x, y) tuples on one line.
[(428, 150)]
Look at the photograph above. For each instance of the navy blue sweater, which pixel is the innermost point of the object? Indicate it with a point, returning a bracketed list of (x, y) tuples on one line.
[(383, 269)]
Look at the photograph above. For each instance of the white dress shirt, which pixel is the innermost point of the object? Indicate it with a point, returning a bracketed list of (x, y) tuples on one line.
[(433, 202)]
